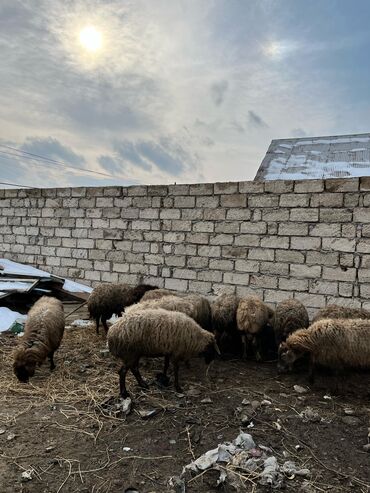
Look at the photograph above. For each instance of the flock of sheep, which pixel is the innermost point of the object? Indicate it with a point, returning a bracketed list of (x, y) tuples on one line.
[(177, 326)]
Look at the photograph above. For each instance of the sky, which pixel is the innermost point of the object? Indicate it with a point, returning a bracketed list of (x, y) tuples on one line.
[(121, 92)]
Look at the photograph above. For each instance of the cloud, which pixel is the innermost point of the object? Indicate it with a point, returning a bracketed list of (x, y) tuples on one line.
[(218, 91), (110, 164), (298, 132), (52, 149), (128, 152), (163, 153), (256, 120)]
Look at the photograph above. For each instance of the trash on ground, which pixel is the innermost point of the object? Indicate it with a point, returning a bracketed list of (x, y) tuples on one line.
[(26, 475), (249, 460)]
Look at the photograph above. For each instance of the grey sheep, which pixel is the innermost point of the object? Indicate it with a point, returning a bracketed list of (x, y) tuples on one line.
[(107, 300), (253, 317), (195, 306), (337, 311), (334, 343), (290, 315), (43, 334), (155, 333)]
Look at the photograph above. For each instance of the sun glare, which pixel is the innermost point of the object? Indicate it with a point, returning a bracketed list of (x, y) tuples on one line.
[(90, 39)]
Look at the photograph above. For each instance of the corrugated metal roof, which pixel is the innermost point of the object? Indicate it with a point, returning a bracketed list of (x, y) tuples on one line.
[(342, 156)]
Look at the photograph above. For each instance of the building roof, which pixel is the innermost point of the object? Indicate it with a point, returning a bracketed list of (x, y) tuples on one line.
[(342, 156)]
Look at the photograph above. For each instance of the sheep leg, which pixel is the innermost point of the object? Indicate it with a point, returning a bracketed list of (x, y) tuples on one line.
[(311, 371), (244, 345), (51, 359), (97, 321), (176, 373), (122, 382), (162, 378), (135, 371), (104, 322)]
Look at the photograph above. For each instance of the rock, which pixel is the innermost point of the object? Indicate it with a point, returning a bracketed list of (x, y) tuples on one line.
[(125, 405), (172, 442), (207, 400), (300, 390), (327, 397), (350, 420), (10, 437), (309, 415), (193, 393), (177, 484), (348, 411), (50, 448), (245, 419), (26, 476), (366, 447), (265, 402), (255, 405), (126, 449), (2, 431), (245, 402)]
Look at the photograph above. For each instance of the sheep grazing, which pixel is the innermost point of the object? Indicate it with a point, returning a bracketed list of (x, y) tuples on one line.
[(156, 294), (196, 307), (254, 321), (43, 334), (223, 314), (290, 315), (107, 300), (156, 333), (334, 343), (337, 311)]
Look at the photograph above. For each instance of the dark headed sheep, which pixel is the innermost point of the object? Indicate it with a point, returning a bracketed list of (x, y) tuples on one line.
[(107, 300)]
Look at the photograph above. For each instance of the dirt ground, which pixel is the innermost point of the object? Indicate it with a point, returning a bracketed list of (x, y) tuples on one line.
[(63, 429)]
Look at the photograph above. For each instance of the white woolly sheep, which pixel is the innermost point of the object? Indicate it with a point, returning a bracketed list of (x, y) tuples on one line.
[(43, 334), (155, 333)]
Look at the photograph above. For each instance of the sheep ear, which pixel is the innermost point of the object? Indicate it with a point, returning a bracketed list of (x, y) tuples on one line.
[(217, 349)]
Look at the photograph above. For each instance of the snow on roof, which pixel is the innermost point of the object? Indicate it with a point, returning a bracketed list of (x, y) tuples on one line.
[(14, 268), (343, 156)]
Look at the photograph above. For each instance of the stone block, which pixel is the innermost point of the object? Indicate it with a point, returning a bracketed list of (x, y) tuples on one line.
[(305, 271), (235, 278), (339, 273), (300, 243), (294, 200), (234, 200), (226, 188), (210, 202), (186, 201), (339, 244), (322, 258), (342, 185), (247, 240), (221, 239)]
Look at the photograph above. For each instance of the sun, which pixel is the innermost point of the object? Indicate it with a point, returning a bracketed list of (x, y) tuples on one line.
[(90, 38)]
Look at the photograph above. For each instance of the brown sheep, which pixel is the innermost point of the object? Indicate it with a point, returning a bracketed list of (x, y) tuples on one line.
[(223, 313), (253, 317), (334, 343), (290, 315), (156, 333), (157, 294), (337, 311), (195, 306), (107, 300), (43, 334)]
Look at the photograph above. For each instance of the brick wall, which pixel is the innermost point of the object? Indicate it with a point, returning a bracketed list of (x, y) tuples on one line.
[(307, 239)]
